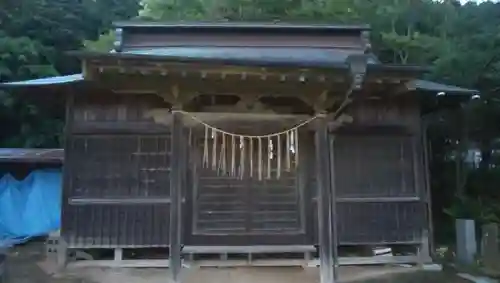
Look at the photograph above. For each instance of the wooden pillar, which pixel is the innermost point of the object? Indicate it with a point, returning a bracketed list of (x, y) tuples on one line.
[(325, 219), (427, 184), (176, 197), (424, 255), (62, 246), (334, 205)]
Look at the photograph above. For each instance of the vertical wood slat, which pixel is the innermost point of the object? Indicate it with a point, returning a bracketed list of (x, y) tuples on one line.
[(363, 217), (133, 228), (325, 223), (176, 197), (381, 166)]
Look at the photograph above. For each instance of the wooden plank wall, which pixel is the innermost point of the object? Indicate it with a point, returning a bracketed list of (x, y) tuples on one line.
[(378, 177), (118, 190), (118, 164)]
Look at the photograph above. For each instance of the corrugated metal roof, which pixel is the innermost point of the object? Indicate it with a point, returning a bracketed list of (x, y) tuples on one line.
[(57, 80), (32, 155)]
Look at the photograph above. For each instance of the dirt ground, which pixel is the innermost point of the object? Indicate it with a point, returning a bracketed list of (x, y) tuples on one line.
[(23, 266)]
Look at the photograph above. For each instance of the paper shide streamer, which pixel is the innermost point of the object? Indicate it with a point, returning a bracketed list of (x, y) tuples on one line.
[(230, 154), (243, 156)]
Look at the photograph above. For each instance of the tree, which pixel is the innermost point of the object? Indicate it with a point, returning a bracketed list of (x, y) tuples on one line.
[(103, 44), (22, 58), (34, 38)]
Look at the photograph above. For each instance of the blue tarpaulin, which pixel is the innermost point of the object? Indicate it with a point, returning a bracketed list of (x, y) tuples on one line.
[(29, 207)]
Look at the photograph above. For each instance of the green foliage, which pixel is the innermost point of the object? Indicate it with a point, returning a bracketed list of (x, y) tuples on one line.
[(103, 44), (479, 209), (34, 37), (108, 11), (22, 57)]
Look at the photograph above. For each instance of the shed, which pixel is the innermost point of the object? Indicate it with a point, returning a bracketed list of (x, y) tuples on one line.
[(21, 161)]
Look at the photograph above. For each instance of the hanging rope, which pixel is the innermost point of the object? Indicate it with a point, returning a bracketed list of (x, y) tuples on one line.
[(272, 149), (210, 127)]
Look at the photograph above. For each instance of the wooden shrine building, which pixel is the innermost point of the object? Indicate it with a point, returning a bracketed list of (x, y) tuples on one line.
[(245, 138)]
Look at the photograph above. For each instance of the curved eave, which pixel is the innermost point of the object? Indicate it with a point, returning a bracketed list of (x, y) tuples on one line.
[(420, 86), (441, 89), (44, 82)]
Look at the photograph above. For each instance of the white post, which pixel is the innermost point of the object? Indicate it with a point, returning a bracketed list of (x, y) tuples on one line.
[(466, 241)]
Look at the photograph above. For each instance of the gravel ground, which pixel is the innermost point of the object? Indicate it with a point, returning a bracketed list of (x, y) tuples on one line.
[(22, 267)]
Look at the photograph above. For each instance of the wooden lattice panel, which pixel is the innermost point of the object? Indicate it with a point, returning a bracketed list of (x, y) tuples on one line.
[(118, 191), (125, 165)]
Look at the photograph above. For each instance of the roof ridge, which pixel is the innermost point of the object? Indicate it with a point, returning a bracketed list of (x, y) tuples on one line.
[(241, 25)]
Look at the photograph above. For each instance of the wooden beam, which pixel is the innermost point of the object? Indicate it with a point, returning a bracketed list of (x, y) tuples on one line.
[(138, 263), (248, 249), (232, 121), (253, 87), (372, 260), (163, 116), (325, 219), (208, 70), (113, 65), (176, 197)]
